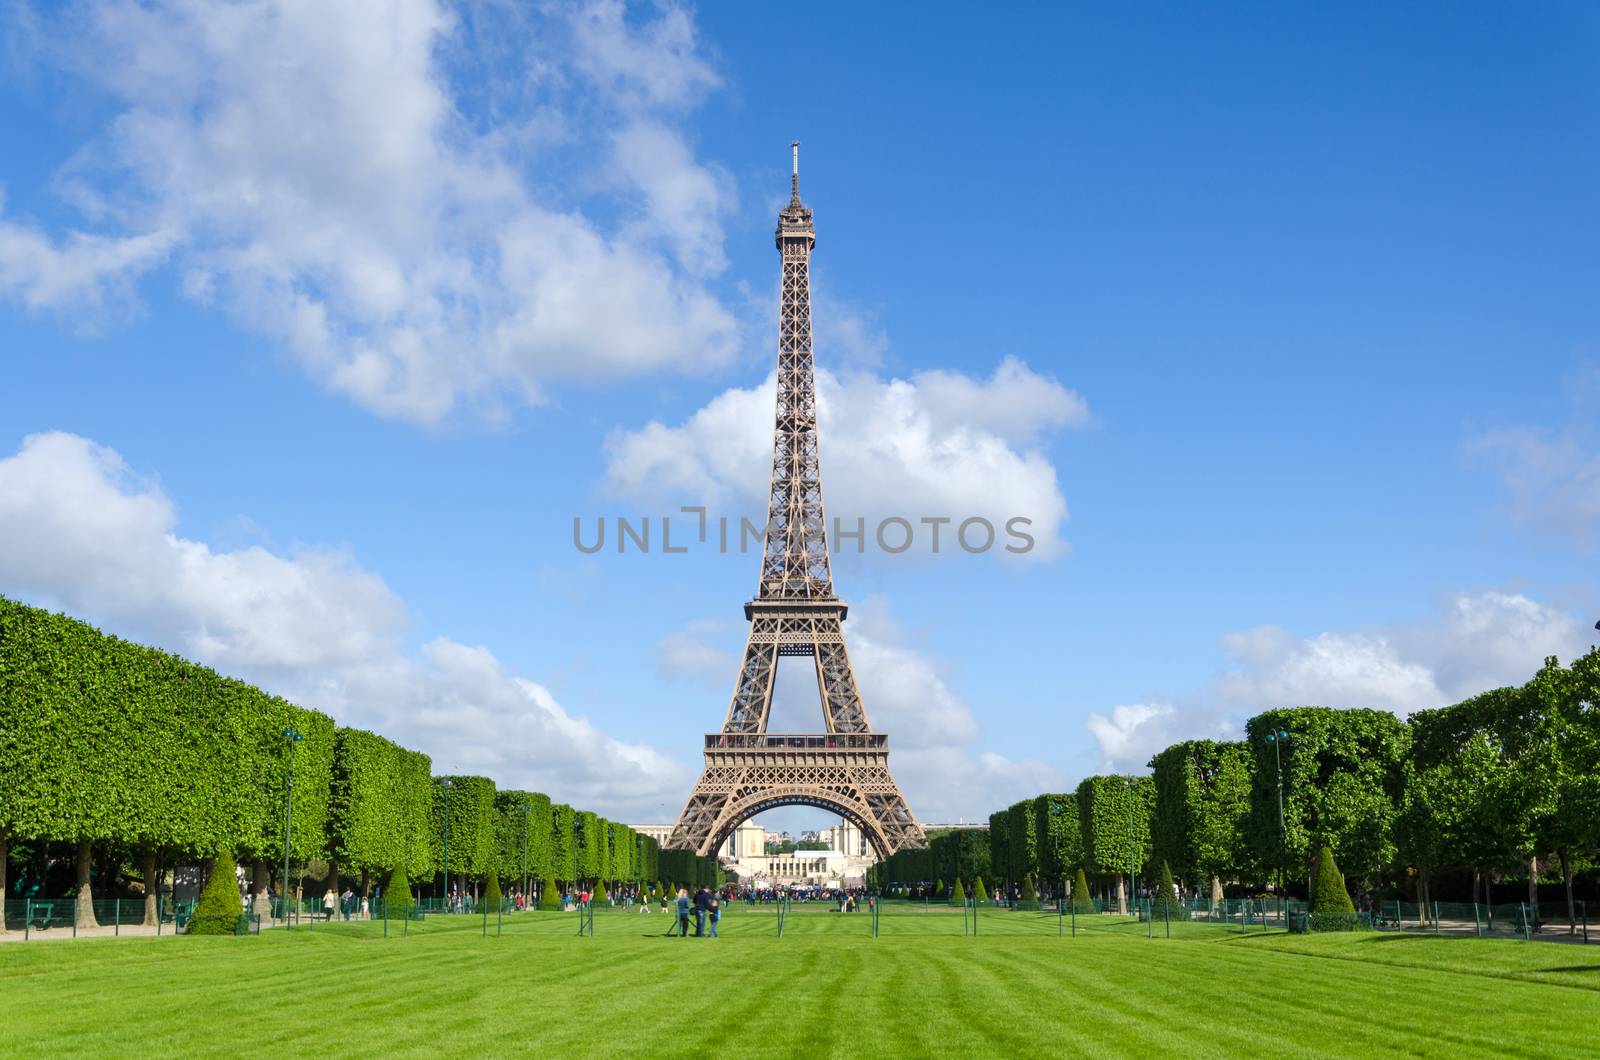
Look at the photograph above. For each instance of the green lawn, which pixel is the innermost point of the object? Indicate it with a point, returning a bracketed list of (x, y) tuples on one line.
[(827, 988)]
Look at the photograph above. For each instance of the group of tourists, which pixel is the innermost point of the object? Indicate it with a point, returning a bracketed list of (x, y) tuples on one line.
[(706, 905), (348, 904)]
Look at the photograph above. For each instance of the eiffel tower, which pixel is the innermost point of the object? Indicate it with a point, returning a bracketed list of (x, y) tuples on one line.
[(844, 770)]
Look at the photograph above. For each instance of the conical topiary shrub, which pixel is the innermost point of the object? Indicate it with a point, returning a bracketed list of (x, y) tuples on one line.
[(1331, 907), (958, 894), (397, 895), (549, 897), (1029, 894), (491, 893), (1165, 905), (218, 911), (1081, 900), (599, 894), (978, 890)]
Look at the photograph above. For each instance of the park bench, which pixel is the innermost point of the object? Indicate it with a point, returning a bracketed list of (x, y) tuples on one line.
[(42, 915)]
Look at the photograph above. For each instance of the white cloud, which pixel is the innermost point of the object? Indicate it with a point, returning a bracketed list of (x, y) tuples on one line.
[(1482, 641), (79, 531), (1554, 479), (939, 444), (1330, 669), (85, 269), (316, 170), (686, 654), (1132, 732)]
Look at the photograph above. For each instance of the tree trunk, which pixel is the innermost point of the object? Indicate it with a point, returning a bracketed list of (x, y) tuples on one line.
[(260, 884), (366, 883), (1572, 909), (1475, 875), (152, 885), (1216, 893), (1533, 888), (1122, 898), (84, 864)]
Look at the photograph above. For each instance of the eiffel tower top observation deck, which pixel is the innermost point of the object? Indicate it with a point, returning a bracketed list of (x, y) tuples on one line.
[(795, 612), (794, 563)]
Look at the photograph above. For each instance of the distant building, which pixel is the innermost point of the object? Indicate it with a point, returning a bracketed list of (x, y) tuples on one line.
[(659, 832), (843, 864)]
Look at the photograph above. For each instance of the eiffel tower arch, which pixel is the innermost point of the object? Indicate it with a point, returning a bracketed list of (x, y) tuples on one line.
[(845, 768)]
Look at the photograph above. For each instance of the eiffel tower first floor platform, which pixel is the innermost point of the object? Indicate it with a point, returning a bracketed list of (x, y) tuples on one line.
[(843, 773)]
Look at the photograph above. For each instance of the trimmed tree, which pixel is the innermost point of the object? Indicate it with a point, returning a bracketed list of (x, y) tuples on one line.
[(491, 892), (217, 912), (1343, 782), (1081, 900), (1165, 905), (1331, 907), (548, 897), (958, 893), (1022, 846), (980, 892), (1029, 894), (1057, 835), (999, 843), (472, 825), (562, 849), (1114, 814), (1202, 810), (397, 894)]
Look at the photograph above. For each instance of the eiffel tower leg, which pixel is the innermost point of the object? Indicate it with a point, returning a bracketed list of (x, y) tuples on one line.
[(841, 699), (752, 692)]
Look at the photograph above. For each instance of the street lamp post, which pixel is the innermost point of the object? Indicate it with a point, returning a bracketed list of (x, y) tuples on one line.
[(447, 785), (292, 737), (1276, 738)]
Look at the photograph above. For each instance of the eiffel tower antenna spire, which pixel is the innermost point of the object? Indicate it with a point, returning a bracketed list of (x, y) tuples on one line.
[(844, 769)]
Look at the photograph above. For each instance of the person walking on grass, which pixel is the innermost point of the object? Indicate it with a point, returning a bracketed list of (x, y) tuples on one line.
[(683, 913), (329, 900), (715, 915)]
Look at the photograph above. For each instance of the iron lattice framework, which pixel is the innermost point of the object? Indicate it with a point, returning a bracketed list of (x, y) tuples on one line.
[(795, 612)]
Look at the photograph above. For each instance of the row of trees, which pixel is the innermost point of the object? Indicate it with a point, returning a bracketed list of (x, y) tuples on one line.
[(138, 760), (1505, 785)]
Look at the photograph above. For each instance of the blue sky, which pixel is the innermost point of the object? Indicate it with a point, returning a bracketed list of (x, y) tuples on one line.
[(321, 328)]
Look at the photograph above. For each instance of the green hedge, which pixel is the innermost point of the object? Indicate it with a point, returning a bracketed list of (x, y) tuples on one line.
[(1112, 811), (106, 742)]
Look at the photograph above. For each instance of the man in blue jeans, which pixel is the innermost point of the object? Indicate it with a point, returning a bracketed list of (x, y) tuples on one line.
[(702, 905), (683, 913)]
